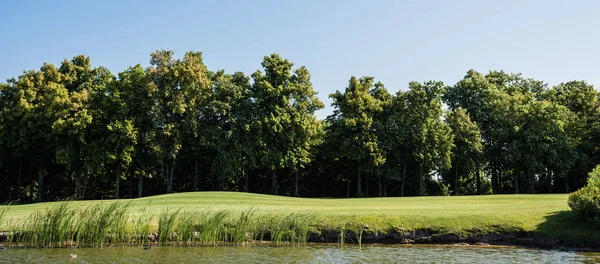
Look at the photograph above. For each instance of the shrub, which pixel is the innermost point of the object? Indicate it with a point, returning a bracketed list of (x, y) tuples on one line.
[(586, 201), (594, 177)]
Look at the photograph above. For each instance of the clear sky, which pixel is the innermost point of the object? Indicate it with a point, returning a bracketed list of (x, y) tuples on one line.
[(394, 41)]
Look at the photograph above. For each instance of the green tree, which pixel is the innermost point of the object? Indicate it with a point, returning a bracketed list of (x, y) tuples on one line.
[(468, 146), (284, 120), (354, 112), (39, 102), (428, 137), (176, 86)]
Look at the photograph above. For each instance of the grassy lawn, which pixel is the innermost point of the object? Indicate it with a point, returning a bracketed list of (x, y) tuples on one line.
[(547, 214)]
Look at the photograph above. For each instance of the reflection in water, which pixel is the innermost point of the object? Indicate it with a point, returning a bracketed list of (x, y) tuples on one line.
[(304, 254)]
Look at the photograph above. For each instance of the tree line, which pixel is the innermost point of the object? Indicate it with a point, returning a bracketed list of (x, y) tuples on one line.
[(76, 130)]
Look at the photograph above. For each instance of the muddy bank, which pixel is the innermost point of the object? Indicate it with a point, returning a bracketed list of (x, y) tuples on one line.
[(426, 236), (526, 239)]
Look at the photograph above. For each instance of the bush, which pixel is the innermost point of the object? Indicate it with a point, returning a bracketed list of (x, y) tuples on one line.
[(586, 201), (594, 177)]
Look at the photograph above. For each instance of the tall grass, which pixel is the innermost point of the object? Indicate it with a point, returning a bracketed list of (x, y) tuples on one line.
[(3, 212), (166, 225), (50, 228), (140, 227), (290, 229), (101, 225), (109, 224)]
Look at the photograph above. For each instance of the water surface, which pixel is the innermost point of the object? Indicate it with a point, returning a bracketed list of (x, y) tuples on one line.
[(303, 254)]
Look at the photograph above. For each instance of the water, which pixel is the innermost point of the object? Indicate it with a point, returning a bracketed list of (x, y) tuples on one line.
[(304, 254)]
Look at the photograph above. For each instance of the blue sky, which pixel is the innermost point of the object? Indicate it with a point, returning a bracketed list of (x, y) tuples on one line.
[(394, 41)]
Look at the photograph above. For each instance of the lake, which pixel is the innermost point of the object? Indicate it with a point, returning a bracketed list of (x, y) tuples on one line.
[(302, 254)]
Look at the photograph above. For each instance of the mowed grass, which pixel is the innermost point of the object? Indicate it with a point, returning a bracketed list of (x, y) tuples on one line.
[(547, 214)]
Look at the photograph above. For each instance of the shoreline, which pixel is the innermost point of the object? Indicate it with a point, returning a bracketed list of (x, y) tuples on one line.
[(424, 237), (427, 237)]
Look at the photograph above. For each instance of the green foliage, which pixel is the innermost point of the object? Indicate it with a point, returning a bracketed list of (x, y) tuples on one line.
[(50, 228), (594, 178), (76, 130), (292, 228), (101, 225), (585, 202)]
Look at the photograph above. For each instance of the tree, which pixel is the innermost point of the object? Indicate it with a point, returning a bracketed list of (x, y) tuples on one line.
[(177, 86), (220, 124), (354, 112), (285, 104), (468, 146), (38, 103), (583, 102), (75, 131), (428, 137)]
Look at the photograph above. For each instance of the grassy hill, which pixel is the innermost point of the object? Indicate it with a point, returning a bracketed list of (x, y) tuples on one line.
[(546, 214)]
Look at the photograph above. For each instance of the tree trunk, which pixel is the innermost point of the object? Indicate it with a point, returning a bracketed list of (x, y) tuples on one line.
[(380, 192), (40, 184), (549, 173), (347, 189), (478, 179), (566, 182), (195, 175), (169, 172), (421, 187), (31, 191), (531, 178), (117, 183), (171, 175), (221, 181), (296, 186), (19, 181), (456, 180), (166, 172), (499, 181), (130, 189), (516, 183), (384, 187), (494, 176), (403, 180), (70, 180), (358, 184), (367, 180), (246, 179), (140, 185), (274, 182)]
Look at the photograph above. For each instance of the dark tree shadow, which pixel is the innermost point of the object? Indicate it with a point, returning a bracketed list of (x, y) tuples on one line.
[(571, 230)]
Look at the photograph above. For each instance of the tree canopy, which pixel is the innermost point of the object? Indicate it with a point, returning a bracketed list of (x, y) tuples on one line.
[(76, 130)]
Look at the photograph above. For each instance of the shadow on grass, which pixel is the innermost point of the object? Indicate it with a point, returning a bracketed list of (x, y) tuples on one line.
[(566, 226)]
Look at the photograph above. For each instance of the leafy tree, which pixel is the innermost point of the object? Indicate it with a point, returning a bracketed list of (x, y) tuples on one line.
[(284, 120), (176, 86), (428, 137), (468, 146), (38, 102), (354, 112)]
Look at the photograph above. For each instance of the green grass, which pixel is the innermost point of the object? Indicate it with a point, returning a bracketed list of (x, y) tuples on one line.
[(547, 214)]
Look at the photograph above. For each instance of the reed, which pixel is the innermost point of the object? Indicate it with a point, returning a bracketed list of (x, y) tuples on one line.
[(140, 227), (186, 228), (102, 225), (245, 227), (109, 224), (48, 228), (290, 229), (212, 228), (166, 225), (3, 212)]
